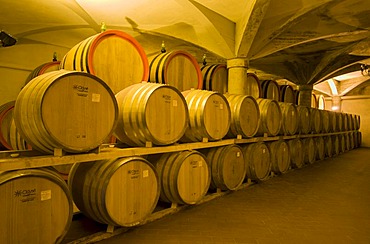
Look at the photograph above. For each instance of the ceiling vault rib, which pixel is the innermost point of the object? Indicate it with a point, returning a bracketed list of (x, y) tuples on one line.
[(248, 27)]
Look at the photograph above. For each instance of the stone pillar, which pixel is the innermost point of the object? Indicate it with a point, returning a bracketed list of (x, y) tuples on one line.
[(237, 76), (305, 95), (336, 104)]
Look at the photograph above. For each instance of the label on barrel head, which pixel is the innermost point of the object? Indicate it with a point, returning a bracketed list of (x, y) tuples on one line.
[(145, 173), (95, 98), (45, 195), (174, 103), (237, 154)]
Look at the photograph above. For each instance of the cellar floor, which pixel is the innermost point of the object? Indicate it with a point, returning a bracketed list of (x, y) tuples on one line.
[(326, 202)]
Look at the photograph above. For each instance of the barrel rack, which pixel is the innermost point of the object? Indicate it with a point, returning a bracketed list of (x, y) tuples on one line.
[(15, 160)]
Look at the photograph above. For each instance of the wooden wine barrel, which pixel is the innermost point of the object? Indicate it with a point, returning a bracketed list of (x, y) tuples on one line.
[(280, 156), (42, 69), (17, 142), (287, 94), (328, 145), (351, 140), (316, 124), (35, 207), (117, 192), (320, 148), (177, 68), (335, 141), (296, 153), (290, 118), (359, 139), (113, 56), (320, 102), (6, 116), (332, 121), (304, 117), (325, 121), (215, 78), (342, 143), (355, 139), (184, 176), (357, 122), (258, 161), (345, 121), (309, 150), (245, 115), (10, 138), (339, 119), (71, 110), (314, 101), (270, 90), (209, 116), (151, 113), (253, 86), (271, 117), (227, 166), (346, 142)]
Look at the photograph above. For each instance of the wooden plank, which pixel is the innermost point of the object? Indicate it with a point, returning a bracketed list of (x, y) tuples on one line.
[(13, 160)]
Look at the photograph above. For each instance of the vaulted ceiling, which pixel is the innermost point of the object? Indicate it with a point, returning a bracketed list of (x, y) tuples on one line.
[(303, 41)]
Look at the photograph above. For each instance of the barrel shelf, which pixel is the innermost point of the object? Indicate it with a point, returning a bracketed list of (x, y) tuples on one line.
[(14, 160)]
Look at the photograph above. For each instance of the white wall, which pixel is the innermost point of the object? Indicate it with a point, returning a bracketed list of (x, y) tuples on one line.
[(359, 105)]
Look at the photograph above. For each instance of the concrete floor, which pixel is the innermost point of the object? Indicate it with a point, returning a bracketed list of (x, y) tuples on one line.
[(327, 202)]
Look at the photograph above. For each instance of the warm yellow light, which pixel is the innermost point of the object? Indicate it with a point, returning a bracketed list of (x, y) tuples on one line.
[(334, 108)]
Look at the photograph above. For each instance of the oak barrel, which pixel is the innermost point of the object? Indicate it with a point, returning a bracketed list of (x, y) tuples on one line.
[(71, 110), (258, 161), (339, 119), (328, 144), (177, 68), (42, 69), (304, 117), (215, 78), (113, 56), (320, 147), (290, 119), (316, 124), (36, 207), (271, 117), (332, 121), (184, 176), (245, 115), (335, 145), (117, 192), (325, 121), (9, 135), (296, 153), (150, 112), (320, 102), (280, 156), (209, 115), (270, 90), (309, 150), (287, 94), (6, 116), (228, 167), (253, 86), (342, 143)]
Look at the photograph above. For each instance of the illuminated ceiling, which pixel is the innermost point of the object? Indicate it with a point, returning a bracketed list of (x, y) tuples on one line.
[(305, 41)]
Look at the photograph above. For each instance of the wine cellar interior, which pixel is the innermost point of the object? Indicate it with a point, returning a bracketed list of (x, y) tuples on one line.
[(119, 118)]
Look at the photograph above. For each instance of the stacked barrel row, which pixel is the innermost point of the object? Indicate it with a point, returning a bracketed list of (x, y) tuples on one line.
[(94, 94)]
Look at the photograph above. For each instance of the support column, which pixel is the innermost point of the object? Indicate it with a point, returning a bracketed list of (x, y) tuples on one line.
[(336, 104), (305, 95), (238, 76)]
